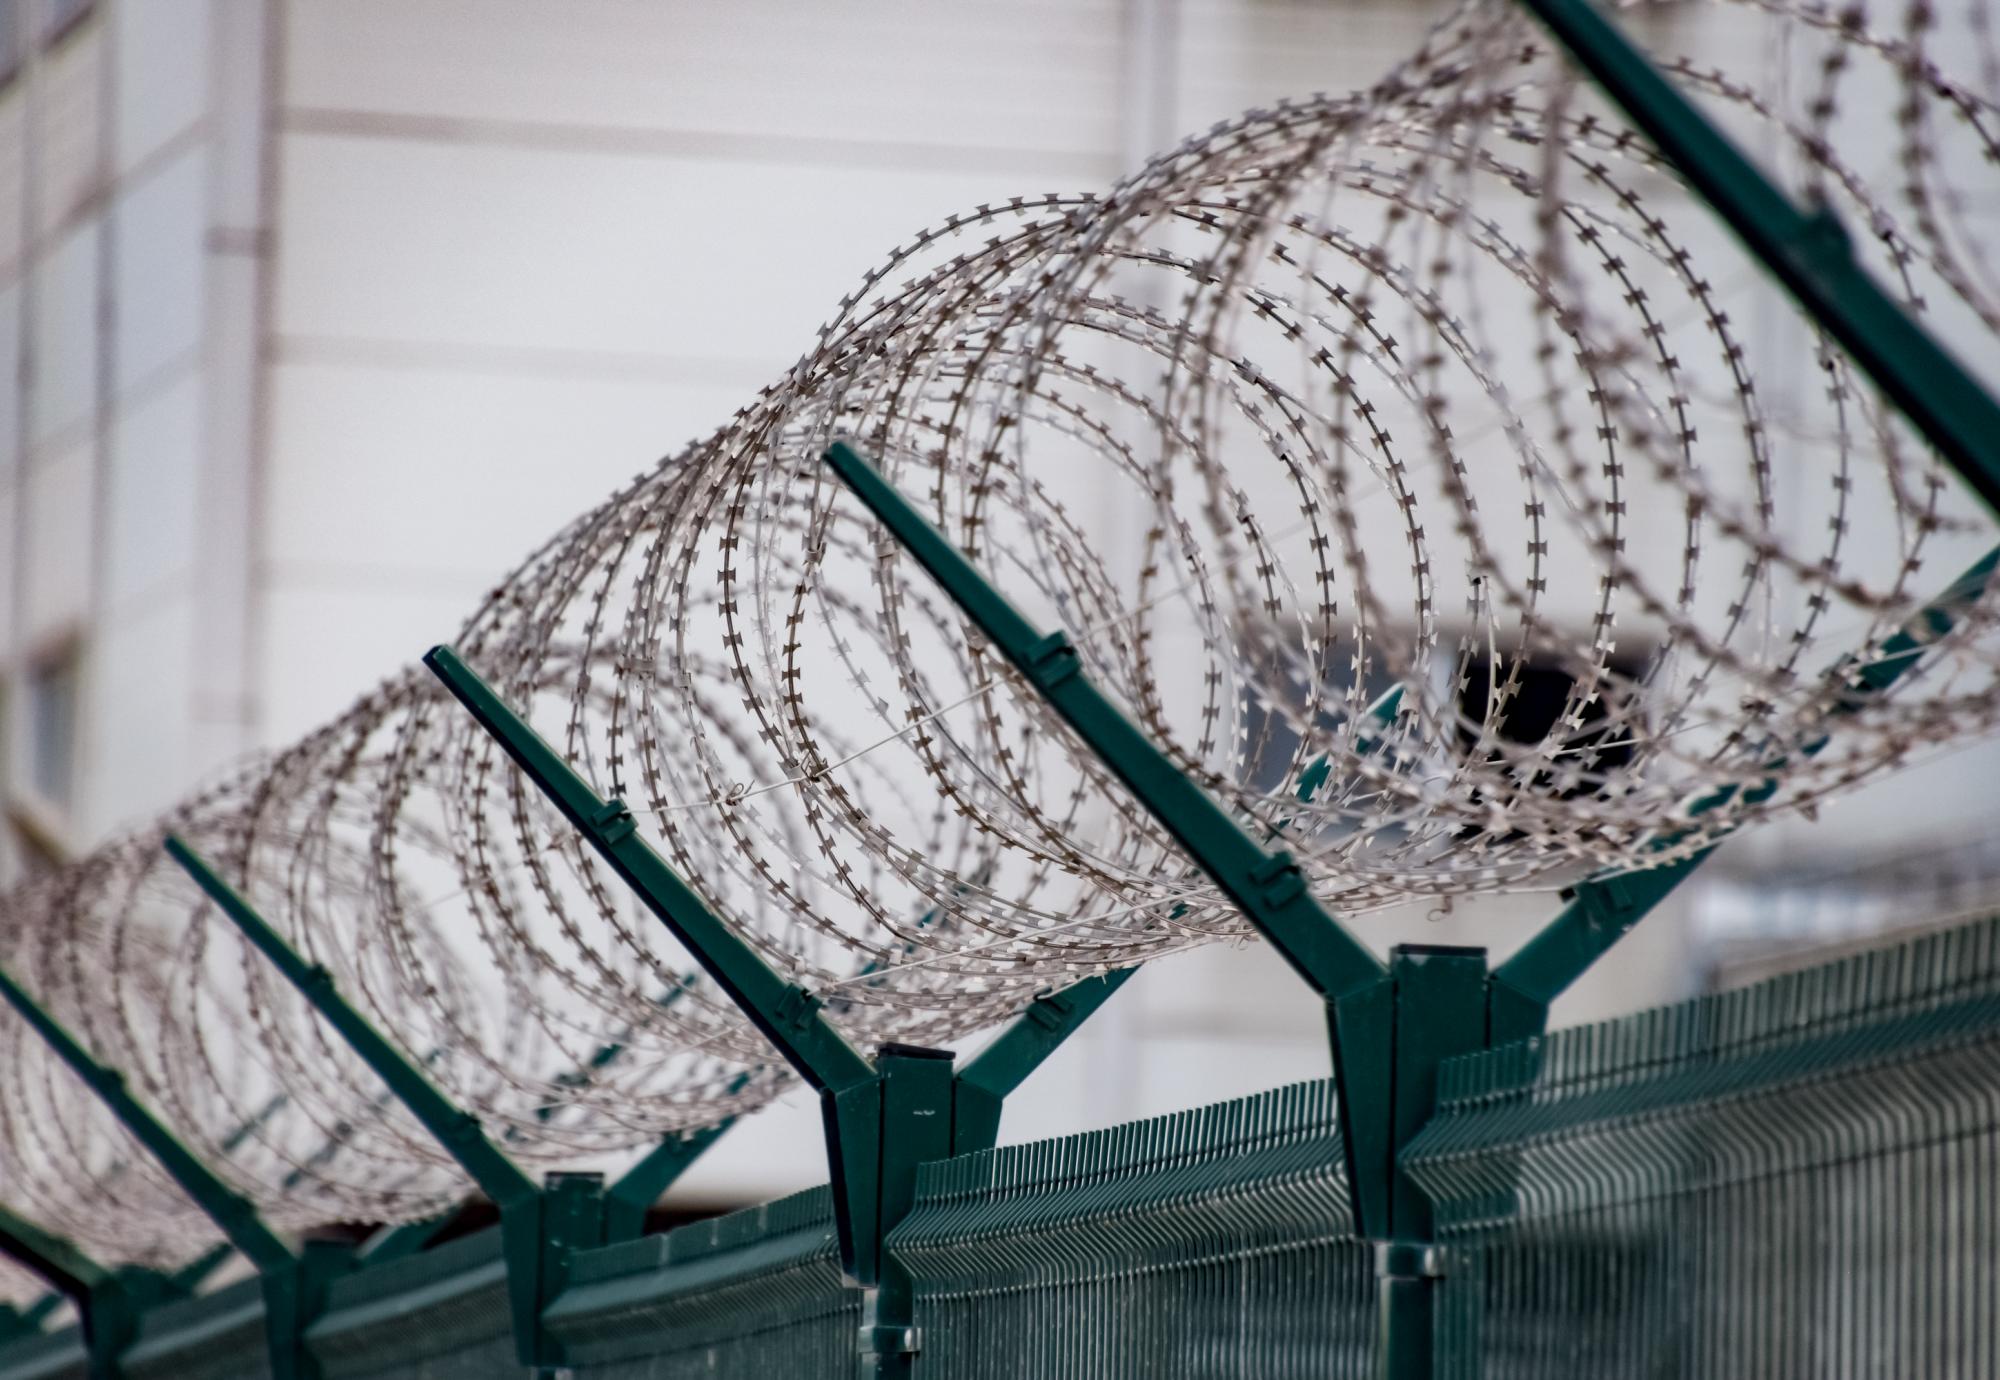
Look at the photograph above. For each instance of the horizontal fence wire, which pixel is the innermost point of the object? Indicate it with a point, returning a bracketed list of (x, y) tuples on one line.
[(58, 1355), (1794, 1179), (754, 1295), (218, 1336), (1211, 1243), (442, 1315)]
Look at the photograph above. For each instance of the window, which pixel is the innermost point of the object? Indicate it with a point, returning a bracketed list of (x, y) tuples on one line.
[(52, 715), (50, 20)]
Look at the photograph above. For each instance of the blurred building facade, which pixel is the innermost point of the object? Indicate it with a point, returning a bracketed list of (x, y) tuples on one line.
[(316, 315)]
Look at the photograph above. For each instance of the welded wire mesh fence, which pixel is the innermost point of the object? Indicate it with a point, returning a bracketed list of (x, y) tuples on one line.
[(1800, 1178), (1793, 1179)]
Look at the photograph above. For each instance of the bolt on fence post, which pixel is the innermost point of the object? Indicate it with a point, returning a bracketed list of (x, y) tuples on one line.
[(284, 1279)]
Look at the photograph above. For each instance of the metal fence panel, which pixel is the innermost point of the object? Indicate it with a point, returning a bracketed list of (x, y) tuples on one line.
[(1213, 1243), (754, 1295), (1794, 1179), (219, 1336), (441, 1315), (56, 1356)]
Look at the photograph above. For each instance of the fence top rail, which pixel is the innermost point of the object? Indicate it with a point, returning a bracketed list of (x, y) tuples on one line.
[(1929, 971), (1287, 1115)]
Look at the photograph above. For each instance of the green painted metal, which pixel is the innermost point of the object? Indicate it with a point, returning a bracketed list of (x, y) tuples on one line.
[(1440, 1013), (518, 1198), (754, 1295), (635, 1192), (228, 1209), (1793, 1178), (1267, 887), (441, 1315), (856, 1094), (1596, 915), (882, 1117), (787, 1015), (104, 1307), (1601, 911), (1212, 1242), (983, 1085), (404, 1239), (26, 1322), (455, 1129), (1807, 250), (284, 1280)]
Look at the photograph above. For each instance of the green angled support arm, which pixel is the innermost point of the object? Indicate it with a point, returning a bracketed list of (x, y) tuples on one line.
[(629, 1198), (1267, 887), (1604, 910), (30, 1320), (983, 1085), (109, 1320), (1808, 251), (786, 1014), (632, 1195), (519, 1199), (883, 1117), (285, 1278)]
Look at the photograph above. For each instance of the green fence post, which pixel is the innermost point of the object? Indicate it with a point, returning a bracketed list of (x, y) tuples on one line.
[(104, 1307), (882, 1117), (1267, 887), (1808, 251), (519, 1199), (1440, 1013), (280, 1272)]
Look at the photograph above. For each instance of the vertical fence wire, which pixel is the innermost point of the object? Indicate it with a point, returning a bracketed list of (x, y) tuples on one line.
[(1213, 1243), (1794, 1179)]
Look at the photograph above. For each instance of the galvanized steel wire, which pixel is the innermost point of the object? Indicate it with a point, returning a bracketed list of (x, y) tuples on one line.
[(1238, 424)]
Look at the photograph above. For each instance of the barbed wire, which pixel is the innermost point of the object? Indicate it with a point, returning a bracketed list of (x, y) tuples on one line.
[(1400, 444)]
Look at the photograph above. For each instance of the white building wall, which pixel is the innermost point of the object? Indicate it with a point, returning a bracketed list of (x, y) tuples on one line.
[(110, 340), (316, 315)]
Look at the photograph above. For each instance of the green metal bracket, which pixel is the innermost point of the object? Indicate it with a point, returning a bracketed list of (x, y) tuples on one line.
[(284, 1276), (1604, 910), (519, 1199), (785, 1014), (635, 1192), (1806, 250), (1440, 1001), (405, 1239), (982, 1086), (29, 1321), (1267, 887), (882, 1117), (103, 1304)]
